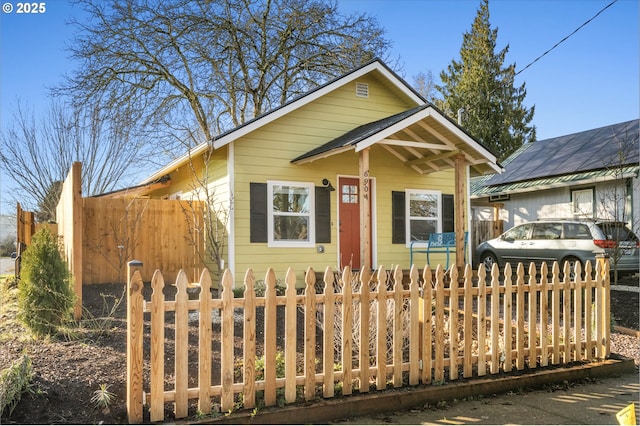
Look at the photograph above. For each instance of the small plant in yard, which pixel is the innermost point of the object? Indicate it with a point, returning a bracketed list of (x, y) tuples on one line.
[(260, 289), (45, 296), (101, 397), (14, 381), (280, 368)]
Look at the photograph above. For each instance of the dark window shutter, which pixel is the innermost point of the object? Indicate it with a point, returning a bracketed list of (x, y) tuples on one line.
[(323, 215), (258, 212), (398, 225), (447, 213)]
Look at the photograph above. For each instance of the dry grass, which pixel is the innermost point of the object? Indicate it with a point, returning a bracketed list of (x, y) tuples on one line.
[(10, 327)]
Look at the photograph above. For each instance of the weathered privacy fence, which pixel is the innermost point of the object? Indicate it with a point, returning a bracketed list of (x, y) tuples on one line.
[(357, 334)]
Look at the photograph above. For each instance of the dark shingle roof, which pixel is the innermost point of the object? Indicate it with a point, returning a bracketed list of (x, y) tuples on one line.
[(362, 132)]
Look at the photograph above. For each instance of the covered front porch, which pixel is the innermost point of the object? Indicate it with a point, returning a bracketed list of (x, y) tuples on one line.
[(424, 141)]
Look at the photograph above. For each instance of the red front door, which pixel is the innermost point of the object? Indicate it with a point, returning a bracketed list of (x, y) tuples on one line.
[(349, 222)]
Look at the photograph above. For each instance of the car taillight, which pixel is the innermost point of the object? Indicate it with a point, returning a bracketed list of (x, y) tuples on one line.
[(605, 244)]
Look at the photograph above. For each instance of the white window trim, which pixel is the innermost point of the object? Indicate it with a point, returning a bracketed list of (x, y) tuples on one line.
[(407, 210), (271, 242), (576, 196)]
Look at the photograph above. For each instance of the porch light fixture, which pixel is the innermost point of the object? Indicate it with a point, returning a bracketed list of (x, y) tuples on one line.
[(328, 185)]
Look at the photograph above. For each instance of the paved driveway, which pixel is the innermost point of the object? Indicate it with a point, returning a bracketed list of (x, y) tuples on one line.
[(7, 265)]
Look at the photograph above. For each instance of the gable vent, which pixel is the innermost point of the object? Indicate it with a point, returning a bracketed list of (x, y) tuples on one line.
[(362, 90)]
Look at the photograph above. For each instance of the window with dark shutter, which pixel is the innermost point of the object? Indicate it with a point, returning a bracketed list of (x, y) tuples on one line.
[(447, 213), (258, 212), (398, 224), (323, 215), (398, 212)]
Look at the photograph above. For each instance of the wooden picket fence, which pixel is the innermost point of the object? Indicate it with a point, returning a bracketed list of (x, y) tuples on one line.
[(435, 327)]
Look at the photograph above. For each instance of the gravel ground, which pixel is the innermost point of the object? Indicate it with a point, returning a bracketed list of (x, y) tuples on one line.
[(625, 311), (626, 345)]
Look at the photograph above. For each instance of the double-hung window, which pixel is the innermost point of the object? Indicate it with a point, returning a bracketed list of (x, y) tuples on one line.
[(423, 212), (290, 209)]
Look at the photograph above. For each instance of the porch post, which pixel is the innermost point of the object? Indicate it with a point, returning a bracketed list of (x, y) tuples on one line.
[(460, 209), (365, 210)]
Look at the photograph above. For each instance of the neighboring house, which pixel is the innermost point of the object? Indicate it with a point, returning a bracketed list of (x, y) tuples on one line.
[(293, 179), (592, 174)]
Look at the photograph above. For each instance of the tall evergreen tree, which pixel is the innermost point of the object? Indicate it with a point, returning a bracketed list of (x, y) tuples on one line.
[(478, 84)]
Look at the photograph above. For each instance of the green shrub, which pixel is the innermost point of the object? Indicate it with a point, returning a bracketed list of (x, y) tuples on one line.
[(45, 296)]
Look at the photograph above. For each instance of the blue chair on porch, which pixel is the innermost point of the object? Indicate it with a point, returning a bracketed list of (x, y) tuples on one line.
[(438, 242)]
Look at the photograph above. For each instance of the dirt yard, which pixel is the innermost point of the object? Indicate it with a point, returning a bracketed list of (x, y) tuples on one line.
[(66, 373)]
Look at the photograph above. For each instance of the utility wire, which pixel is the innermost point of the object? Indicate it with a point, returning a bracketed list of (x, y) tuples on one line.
[(564, 39)]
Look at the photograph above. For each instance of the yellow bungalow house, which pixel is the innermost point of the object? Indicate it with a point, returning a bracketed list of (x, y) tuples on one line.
[(347, 174)]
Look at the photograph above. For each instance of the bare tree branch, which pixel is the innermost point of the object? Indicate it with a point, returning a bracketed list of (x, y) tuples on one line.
[(211, 65), (39, 153)]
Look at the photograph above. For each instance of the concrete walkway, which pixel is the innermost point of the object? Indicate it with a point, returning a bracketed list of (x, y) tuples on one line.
[(594, 401), (582, 394)]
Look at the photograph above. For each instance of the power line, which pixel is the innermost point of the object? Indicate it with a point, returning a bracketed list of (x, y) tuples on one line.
[(564, 39)]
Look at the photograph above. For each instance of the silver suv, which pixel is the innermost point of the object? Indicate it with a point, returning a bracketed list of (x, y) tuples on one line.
[(562, 241)]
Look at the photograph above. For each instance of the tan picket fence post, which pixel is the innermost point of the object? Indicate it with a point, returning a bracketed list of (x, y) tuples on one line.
[(135, 307), (440, 326)]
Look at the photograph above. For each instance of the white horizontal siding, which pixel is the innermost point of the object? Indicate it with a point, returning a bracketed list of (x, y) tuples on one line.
[(556, 204)]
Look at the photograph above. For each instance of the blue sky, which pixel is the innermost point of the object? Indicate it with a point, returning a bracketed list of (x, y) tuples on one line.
[(590, 80)]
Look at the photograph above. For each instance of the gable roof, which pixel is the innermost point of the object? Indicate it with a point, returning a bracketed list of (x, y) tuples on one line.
[(569, 159), (375, 66), (421, 137)]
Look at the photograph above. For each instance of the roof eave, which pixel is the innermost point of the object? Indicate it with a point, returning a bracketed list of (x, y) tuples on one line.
[(252, 125), (564, 184), (178, 162), (422, 114), (322, 155)]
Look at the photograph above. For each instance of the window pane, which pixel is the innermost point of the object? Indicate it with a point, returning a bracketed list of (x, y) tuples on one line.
[(290, 199), (518, 233), (421, 229), (423, 205), (547, 231), (583, 202), (577, 231), (292, 228), (349, 194)]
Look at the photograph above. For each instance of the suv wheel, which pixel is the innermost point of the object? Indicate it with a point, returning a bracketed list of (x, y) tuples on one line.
[(572, 265), (488, 260)]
